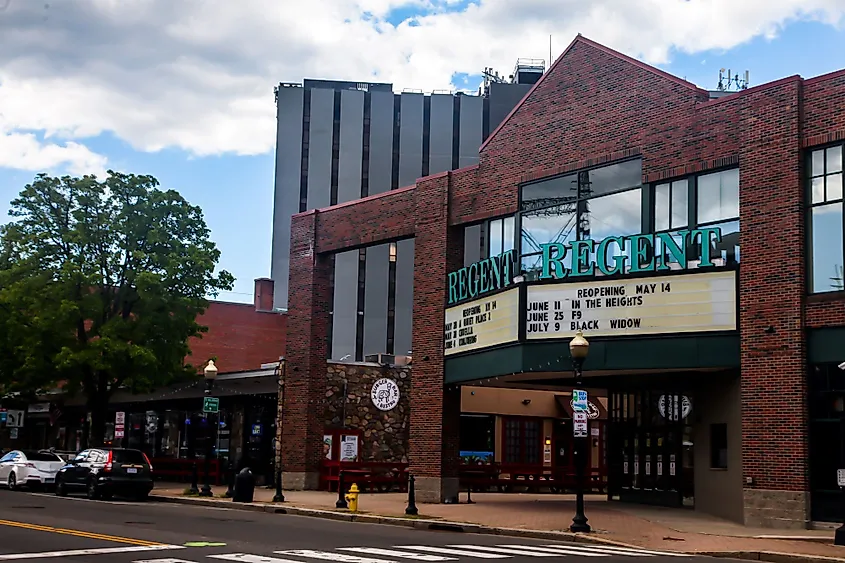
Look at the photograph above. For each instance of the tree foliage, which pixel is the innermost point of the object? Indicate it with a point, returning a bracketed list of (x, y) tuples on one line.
[(101, 283)]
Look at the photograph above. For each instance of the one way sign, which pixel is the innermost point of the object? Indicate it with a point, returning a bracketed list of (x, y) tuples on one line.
[(14, 419)]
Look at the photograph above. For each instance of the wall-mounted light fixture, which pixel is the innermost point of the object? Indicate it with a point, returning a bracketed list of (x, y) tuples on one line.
[(526, 401)]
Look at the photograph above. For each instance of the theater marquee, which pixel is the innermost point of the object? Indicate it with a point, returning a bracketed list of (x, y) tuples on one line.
[(701, 302), (482, 323)]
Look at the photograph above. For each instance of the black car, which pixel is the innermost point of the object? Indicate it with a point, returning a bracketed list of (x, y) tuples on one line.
[(103, 472)]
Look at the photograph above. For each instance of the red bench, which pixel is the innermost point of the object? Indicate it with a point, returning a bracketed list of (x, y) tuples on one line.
[(376, 476)]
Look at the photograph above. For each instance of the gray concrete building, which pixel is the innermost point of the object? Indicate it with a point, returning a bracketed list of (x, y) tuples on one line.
[(339, 141)]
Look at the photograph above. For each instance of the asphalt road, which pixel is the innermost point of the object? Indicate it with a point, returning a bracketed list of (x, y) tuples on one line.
[(42, 527)]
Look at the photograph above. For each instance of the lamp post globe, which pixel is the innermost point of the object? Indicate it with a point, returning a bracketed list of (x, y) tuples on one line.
[(579, 348)]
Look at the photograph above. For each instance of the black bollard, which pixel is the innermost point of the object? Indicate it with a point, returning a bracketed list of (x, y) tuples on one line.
[(194, 490), (469, 495), (412, 498), (341, 497)]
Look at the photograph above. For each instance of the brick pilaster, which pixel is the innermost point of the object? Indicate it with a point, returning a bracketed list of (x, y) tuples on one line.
[(434, 414), (307, 331), (774, 380)]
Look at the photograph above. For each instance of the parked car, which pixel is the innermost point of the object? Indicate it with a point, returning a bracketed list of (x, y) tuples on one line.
[(104, 472), (29, 468)]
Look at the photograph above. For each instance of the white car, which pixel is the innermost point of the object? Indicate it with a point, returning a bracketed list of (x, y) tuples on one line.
[(22, 467)]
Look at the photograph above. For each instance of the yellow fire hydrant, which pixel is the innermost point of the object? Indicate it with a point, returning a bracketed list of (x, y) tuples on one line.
[(352, 498)]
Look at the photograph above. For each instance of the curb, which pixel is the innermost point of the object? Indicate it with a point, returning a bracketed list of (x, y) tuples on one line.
[(447, 526)]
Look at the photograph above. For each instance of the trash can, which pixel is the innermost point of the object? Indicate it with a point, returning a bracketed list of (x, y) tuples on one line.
[(244, 486)]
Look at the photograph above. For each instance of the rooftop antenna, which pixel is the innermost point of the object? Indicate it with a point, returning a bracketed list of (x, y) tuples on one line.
[(734, 83), (550, 51)]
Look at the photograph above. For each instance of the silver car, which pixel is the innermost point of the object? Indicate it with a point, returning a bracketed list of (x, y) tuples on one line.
[(29, 468)]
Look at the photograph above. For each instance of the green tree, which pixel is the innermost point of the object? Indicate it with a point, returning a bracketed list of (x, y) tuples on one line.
[(101, 283)]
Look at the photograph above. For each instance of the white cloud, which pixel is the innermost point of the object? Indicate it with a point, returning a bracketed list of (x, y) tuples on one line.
[(198, 74), (23, 151)]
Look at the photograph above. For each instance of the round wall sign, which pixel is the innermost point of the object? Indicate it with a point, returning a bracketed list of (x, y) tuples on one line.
[(592, 409), (672, 414), (385, 394)]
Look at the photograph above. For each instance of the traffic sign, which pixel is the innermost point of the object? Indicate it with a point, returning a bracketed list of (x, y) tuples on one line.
[(579, 400), (840, 477), (579, 424), (211, 404)]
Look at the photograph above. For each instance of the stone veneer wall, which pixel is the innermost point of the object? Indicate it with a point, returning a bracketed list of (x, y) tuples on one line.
[(385, 432)]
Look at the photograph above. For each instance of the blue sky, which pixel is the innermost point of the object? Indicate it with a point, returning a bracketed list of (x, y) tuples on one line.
[(236, 190)]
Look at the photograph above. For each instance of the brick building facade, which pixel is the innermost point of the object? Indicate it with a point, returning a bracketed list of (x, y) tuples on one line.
[(596, 107)]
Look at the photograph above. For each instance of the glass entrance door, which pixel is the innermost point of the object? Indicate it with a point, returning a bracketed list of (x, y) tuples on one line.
[(650, 448)]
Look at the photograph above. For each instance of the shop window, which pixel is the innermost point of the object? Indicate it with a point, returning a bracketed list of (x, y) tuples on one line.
[(522, 440), (592, 204), (825, 218), (719, 446), (477, 436)]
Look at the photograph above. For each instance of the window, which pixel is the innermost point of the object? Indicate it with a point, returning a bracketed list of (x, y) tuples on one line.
[(719, 446), (670, 205), (592, 204), (825, 218), (499, 236), (41, 456), (522, 440), (477, 436), (716, 205)]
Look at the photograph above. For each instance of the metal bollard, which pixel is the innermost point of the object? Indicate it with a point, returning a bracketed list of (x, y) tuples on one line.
[(412, 498), (341, 499), (194, 490), (469, 495), (231, 478)]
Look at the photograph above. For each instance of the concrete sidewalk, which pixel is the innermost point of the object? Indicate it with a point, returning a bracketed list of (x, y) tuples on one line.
[(648, 527)]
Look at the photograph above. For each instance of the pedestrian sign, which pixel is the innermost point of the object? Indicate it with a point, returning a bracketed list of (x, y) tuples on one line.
[(579, 400), (211, 404)]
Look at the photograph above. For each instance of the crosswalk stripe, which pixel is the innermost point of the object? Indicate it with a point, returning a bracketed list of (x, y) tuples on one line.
[(614, 550), (458, 552), (562, 551), (509, 550), (397, 553), (167, 560), (592, 550), (329, 556), (249, 558)]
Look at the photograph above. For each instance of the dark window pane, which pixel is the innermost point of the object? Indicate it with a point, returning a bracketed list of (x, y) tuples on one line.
[(477, 435), (554, 224), (826, 227), (553, 191), (613, 178), (616, 214), (719, 446), (533, 263), (128, 456), (41, 456)]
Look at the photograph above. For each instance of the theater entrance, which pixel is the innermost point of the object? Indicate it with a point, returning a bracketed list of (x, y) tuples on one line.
[(650, 447)]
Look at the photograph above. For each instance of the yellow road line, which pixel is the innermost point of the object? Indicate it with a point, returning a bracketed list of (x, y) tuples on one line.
[(77, 533)]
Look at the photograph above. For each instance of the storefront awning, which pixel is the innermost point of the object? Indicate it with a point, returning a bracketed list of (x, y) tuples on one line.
[(596, 409)]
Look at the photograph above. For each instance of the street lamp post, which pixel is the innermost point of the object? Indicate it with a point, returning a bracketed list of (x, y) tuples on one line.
[(839, 407), (210, 373), (279, 496), (578, 349)]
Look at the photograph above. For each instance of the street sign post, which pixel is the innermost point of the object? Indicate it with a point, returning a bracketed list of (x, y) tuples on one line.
[(210, 404)]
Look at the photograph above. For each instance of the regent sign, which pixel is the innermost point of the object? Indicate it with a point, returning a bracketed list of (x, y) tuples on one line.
[(587, 258)]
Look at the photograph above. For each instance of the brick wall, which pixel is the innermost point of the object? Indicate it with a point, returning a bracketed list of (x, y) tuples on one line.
[(240, 337), (596, 106)]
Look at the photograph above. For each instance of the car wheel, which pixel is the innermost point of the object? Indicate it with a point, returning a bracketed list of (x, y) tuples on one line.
[(91, 491), (13, 482), (60, 488)]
